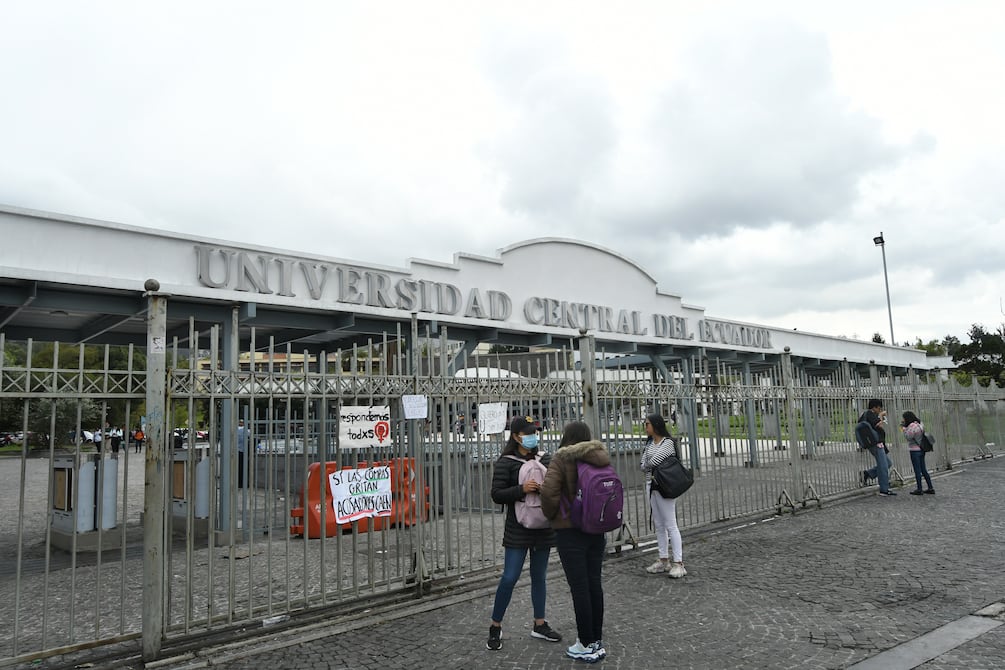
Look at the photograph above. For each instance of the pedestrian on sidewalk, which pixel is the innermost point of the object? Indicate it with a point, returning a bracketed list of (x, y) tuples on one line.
[(582, 554), (875, 417), (914, 430), (659, 447), (519, 541)]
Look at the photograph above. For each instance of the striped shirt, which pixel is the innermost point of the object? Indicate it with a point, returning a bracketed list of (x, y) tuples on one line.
[(657, 452)]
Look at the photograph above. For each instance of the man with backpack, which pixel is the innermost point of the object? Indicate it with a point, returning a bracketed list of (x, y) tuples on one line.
[(519, 539), (584, 498), (871, 436)]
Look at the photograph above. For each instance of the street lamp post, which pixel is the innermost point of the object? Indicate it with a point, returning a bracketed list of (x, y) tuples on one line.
[(881, 243)]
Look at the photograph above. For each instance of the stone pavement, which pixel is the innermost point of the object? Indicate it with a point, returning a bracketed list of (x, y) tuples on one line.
[(823, 588)]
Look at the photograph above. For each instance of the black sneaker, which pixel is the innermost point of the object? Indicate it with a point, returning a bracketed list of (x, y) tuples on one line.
[(544, 632), (931, 491), (887, 493), (495, 638), (916, 492), (865, 478)]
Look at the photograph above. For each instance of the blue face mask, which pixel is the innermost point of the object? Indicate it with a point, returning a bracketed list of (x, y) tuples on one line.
[(530, 442)]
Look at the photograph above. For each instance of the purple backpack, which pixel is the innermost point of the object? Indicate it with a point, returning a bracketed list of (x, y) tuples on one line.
[(600, 498)]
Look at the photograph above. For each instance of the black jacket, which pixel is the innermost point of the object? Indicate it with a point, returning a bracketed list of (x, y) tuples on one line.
[(506, 490)]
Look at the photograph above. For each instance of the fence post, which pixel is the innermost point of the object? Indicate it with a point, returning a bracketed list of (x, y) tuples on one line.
[(943, 421), (795, 453), (153, 475), (588, 371)]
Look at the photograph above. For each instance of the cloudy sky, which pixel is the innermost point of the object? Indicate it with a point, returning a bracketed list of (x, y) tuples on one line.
[(745, 153)]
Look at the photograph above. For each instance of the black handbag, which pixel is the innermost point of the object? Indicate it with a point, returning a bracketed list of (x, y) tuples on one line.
[(670, 478)]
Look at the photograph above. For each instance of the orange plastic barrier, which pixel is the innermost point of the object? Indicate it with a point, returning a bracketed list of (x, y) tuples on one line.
[(405, 504)]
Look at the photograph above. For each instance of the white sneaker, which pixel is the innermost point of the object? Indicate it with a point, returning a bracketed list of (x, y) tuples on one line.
[(677, 571), (599, 649), (658, 567), (581, 653)]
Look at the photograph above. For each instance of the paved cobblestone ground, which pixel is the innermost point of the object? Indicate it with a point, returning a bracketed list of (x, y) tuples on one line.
[(821, 589)]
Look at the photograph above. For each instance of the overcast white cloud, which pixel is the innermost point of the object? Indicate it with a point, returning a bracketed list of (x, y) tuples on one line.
[(746, 158)]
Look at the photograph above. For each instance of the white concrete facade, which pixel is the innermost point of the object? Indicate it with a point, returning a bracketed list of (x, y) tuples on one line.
[(548, 289)]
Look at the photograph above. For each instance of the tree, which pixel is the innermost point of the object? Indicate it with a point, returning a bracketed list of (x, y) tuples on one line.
[(984, 357)]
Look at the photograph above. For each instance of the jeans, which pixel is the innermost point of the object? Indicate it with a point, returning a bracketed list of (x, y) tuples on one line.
[(512, 567), (582, 557), (882, 469), (918, 463)]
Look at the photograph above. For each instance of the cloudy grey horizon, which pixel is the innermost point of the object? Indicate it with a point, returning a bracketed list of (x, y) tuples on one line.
[(746, 159)]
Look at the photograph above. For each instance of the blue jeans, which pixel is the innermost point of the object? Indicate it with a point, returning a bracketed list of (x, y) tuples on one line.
[(882, 469), (512, 567), (582, 557), (918, 463)]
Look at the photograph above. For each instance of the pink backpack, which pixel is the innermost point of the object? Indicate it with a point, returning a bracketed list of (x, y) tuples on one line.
[(528, 511)]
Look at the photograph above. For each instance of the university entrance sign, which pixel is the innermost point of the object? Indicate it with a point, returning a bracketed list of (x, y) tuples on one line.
[(540, 290)]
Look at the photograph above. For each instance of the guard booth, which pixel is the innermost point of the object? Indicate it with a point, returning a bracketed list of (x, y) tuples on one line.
[(188, 466), (83, 502), (407, 503)]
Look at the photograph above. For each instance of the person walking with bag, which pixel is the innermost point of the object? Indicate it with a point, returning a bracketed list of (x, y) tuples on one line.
[(582, 554), (659, 446), (518, 540), (914, 430)]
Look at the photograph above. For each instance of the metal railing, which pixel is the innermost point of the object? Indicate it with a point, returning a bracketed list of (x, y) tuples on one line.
[(80, 551)]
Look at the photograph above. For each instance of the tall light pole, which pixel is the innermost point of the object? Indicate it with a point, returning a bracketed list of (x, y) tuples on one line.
[(881, 243)]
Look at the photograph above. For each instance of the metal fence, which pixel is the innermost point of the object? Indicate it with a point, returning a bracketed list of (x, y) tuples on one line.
[(82, 552)]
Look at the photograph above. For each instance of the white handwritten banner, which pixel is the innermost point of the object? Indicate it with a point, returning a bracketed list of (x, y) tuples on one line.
[(363, 426), (360, 493), (492, 417), (414, 406)]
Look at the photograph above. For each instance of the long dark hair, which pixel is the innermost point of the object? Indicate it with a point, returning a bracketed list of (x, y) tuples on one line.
[(574, 433), (659, 425), (511, 446), (909, 418)]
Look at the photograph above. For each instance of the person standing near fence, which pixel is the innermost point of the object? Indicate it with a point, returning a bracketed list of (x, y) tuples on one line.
[(875, 416), (914, 430), (582, 554), (519, 541), (659, 446)]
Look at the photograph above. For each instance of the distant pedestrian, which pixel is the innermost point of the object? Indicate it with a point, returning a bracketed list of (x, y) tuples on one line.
[(138, 438), (582, 554), (115, 437), (660, 446), (518, 541), (914, 430), (875, 417), (243, 467), (97, 438)]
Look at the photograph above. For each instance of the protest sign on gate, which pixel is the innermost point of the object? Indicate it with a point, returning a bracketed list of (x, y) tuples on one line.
[(358, 493), (364, 426), (492, 417)]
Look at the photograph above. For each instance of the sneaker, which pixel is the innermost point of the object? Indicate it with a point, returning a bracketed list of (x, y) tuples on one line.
[(887, 493), (495, 638), (659, 566), (581, 653), (599, 649), (865, 478), (544, 632), (916, 492), (930, 491), (677, 571)]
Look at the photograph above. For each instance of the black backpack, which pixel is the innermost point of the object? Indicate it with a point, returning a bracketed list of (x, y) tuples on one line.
[(866, 435)]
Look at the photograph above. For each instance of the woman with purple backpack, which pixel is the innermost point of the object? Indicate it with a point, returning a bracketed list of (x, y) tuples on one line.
[(659, 446), (582, 553)]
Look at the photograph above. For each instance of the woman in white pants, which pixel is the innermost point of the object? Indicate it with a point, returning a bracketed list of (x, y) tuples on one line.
[(658, 447)]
